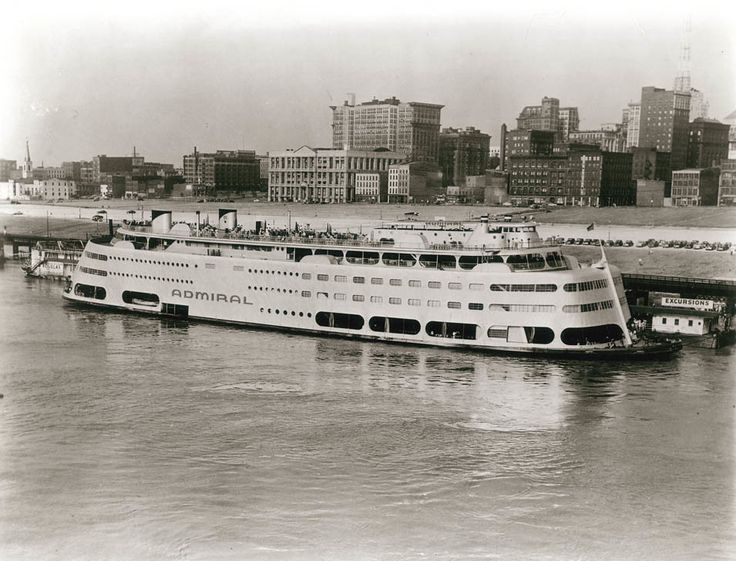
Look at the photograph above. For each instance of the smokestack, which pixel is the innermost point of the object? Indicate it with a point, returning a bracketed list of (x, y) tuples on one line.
[(503, 147)]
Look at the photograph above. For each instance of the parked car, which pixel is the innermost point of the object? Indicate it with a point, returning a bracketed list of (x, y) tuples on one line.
[(629, 243), (98, 218)]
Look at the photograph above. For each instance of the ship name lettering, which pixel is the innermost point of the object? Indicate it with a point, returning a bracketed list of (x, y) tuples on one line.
[(210, 296)]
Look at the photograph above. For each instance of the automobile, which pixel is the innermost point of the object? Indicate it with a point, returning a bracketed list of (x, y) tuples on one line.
[(578, 241), (98, 218), (256, 201), (721, 247), (697, 245), (618, 243), (642, 243), (570, 241), (200, 201), (17, 213), (710, 247), (629, 243), (664, 243), (96, 199), (14, 202)]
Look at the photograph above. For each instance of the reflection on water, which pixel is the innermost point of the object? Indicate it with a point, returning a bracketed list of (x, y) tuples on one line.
[(134, 437)]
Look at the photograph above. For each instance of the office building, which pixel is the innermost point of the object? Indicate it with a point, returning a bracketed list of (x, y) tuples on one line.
[(664, 123), (695, 187), (371, 187), (569, 122), (414, 182), (707, 143), (222, 170), (525, 143), (650, 192), (411, 128), (322, 174), (633, 118), (463, 152)]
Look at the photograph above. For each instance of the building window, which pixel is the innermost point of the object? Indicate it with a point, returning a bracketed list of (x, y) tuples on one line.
[(377, 299), (358, 298)]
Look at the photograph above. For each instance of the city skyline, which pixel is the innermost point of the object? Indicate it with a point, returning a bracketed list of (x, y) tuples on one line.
[(87, 83)]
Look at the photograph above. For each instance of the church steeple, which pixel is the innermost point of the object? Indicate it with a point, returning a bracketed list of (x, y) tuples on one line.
[(27, 164)]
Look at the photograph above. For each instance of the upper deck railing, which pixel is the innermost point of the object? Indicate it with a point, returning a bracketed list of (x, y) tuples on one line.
[(339, 239)]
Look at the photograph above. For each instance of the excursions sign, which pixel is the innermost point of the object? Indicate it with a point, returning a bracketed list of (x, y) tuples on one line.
[(692, 303)]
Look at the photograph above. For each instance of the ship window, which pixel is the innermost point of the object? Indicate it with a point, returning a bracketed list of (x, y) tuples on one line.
[(434, 284), (238, 268), (209, 265), (393, 300), (451, 330), (454, 286), (498, 332), (362, 257), (399, 259), (339, 296), (404, 326), (341, 278), (433, 303), (359, 280), (475, 286), (377, 299), (322, 296), (140, 298), (469, 261), (554, 259), (341, 321), (394, 282), (321, 277), (545, 288), (306, 293), (336, 253), (358, 298), (454, 305), (376, 280), (588, 335), (415, 283), (89, 291), (415, 302), (475, 306)]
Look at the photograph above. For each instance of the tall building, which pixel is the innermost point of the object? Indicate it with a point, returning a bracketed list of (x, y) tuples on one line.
[(463, 152), (115, 165), (526, 143), (549, 116), (322, 174), (412, 128), (632, 124), (544, 117), (223, 170), (707, 143), (569, 122), (664, 123)]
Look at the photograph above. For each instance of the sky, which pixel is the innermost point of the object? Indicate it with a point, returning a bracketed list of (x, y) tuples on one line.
[(84, 79)]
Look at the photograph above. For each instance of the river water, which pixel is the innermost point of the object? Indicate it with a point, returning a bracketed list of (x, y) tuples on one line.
[(128, 437)]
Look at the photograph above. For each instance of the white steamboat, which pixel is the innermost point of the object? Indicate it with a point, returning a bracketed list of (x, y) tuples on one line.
[(493, 285)]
